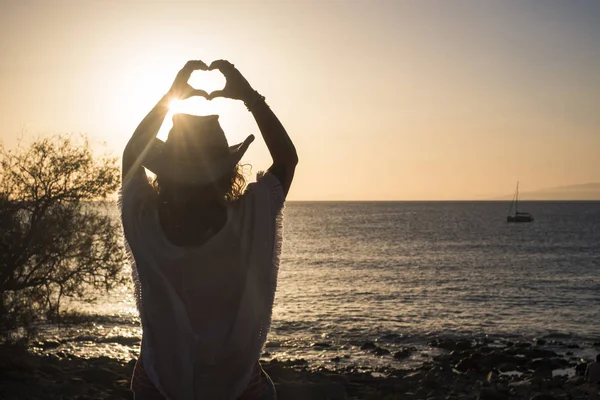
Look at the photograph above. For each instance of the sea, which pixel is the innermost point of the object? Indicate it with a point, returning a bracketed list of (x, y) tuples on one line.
[(399, 274)]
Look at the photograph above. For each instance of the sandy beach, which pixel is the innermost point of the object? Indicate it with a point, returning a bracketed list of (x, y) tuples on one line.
[(465, 369)]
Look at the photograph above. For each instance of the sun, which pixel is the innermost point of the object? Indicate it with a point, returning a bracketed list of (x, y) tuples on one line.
[(176, 106)]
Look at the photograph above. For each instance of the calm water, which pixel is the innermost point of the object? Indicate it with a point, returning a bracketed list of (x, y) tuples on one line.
[(353, 272)]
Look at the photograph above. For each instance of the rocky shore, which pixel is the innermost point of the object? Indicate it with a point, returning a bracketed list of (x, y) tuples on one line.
[(465, 369)]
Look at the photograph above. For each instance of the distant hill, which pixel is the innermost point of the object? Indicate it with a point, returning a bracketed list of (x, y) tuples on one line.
[(587, 191)]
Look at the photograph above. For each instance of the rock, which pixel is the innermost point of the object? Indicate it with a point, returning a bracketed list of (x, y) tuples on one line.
[(122, 340), (336, 359), (26, 362), (580, 368), (84, 338), (520, 384), (507, 367), (331, 391), (402, 353), (272, 344), (539, 342), (442, 343), (573, 346), (50, 344), (463, 345), (289, 362), (392, 337), (102, 376), (575, 380), (522, 345), (368, 346), (320, 344), (491, 377), (542, 372), (541, 396), (488, 393), (379, 351)]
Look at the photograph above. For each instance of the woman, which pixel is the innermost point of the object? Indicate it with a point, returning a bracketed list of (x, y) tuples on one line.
[(204, 253)]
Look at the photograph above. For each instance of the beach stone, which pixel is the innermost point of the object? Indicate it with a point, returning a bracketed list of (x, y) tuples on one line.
[(467, 364), (402, 353), (463, 345), (543, 372), (580, 368), (379, 351), (394, 337), (102, 376), (442, 343), (592, 372), (522, 345), (491, 377), (26, 361), (331, 391), (575, 380), (368, 346), (122, 340), (50, 344), (541, 396), (536, 353), (505, 367), (520, 384), (488, 393), (84, 338)]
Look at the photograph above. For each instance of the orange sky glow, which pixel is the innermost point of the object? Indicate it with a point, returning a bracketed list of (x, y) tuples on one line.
[(385, 100)]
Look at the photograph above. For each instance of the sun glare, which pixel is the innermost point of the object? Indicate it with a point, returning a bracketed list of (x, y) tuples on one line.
[(145, 88), (176, 106)]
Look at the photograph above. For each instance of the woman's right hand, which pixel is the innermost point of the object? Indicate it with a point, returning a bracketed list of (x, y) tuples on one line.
[(236, 86), (181, 89)]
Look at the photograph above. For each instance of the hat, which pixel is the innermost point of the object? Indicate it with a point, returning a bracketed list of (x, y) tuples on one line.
[(196, 151)]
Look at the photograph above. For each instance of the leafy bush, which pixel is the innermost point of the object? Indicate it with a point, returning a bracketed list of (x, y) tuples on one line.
[(55, 241)]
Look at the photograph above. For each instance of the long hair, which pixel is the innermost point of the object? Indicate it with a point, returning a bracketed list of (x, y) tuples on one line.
[(230, 188)]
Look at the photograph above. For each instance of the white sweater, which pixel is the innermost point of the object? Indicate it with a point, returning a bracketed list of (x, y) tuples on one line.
[(206, 344)]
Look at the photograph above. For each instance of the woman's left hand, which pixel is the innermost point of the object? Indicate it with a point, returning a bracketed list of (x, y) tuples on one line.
[(236, 86), (181, 89)]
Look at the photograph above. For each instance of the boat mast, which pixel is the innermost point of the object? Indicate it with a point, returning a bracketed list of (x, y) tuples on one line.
[(517, 200)]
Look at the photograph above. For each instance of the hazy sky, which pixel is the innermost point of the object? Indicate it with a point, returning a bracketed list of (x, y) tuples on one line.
[(384, 99)]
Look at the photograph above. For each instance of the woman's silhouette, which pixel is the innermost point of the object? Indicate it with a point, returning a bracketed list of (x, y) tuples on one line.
[(204, 252)]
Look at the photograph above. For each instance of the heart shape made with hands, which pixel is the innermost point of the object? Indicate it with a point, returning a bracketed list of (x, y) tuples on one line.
[(206, 80)]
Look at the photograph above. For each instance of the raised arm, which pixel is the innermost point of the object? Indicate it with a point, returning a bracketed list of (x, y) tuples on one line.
[(147, 129), (278, 142)]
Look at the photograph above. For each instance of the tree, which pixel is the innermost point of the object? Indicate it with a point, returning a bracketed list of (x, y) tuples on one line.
[(55, 239)]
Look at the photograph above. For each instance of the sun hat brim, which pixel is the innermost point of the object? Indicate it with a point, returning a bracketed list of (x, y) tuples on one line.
[(161, 163)]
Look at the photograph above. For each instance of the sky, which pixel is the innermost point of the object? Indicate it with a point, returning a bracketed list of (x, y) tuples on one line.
[(385, 100)]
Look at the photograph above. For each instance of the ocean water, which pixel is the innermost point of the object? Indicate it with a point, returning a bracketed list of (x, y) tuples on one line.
[(399, 273)]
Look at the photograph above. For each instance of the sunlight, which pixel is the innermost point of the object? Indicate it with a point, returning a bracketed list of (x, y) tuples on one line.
[(145, 87), (207, 80), (176, 106)]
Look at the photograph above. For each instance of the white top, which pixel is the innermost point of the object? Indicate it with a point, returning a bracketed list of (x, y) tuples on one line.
[(204, 339)]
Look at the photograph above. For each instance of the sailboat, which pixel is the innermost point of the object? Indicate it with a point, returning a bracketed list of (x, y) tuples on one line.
[(517, 216)]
